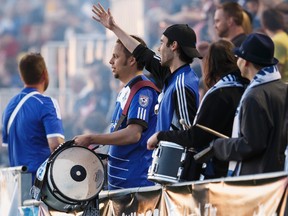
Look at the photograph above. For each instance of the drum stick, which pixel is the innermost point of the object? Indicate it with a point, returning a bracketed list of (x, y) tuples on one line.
[(211, 131), (184, 124)]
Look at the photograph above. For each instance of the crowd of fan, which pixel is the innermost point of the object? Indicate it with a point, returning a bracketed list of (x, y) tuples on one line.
[(27, 26)]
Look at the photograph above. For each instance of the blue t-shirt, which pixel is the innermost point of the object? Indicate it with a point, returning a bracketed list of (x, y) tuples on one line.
[(38, 119), (128, 165)]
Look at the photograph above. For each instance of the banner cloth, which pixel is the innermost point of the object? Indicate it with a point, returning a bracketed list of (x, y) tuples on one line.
[(255, 195), (247, 195)]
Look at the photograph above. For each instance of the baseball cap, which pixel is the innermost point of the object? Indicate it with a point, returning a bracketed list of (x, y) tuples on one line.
[(185, 37)]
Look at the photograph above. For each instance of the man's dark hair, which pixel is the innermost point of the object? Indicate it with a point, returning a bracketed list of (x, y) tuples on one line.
[(182, 56), (233, 9), (140, 65)]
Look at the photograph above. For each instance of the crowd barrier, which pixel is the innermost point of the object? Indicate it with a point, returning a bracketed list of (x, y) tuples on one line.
[(15, 184), (263, 194)]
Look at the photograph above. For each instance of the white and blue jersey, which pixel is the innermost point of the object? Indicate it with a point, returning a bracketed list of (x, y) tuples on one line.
[(38, 119), (128, 164)]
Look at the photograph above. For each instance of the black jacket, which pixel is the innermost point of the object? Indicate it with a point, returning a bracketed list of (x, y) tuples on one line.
[(262, 142)]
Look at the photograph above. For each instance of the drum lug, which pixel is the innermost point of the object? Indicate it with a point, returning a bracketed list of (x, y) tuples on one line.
[(55, 191), (179, 173), (155, 167), (183, 157), (158, 152), (44, 197)]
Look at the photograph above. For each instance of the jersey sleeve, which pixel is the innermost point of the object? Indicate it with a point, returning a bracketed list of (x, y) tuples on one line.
[(185, 103), (152, 64), (52, 119), (141, 107)]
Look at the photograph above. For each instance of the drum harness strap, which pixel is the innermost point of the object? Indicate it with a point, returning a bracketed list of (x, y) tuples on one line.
[(134, 89)]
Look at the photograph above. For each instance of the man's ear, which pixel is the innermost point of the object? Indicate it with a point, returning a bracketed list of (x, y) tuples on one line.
[(132, 60), (246, 63), (44, 75), (230, 20), (174, 45)]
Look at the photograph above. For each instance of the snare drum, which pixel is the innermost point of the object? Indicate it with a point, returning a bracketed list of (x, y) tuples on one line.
[(167, 163), (75, 175)]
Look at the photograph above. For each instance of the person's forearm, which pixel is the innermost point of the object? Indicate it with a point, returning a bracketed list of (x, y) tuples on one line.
[(54, 142), (129, 135), (129, 42)]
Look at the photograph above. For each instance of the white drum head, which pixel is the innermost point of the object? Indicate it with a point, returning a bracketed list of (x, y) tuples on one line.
[(77, 173)]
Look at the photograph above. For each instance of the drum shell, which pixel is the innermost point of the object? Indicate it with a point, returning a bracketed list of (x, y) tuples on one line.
[(173, 164), (167, 163), (59, 203), (53, 192)]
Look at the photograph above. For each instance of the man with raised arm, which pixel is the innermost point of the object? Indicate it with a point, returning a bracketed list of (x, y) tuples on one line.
[(179, 83), (128, 157)]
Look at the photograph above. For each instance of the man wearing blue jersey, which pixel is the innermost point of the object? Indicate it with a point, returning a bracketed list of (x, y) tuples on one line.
[(32, 125), (129, 159), (179, 98)]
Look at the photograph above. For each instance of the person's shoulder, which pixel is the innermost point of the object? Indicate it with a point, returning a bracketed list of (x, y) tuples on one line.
[(43, 98), (46, 100), (228, 95), (238, 40)]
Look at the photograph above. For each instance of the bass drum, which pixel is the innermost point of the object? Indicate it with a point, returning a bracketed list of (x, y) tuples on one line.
[(75, 175)]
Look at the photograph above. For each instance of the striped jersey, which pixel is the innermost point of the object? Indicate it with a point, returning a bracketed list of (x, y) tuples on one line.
[(178, 100), (128, 164), (38, 119)]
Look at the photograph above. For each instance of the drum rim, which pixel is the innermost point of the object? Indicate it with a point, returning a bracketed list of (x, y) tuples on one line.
[(53, 182), (170, 144), (170, 180), (62, 198)]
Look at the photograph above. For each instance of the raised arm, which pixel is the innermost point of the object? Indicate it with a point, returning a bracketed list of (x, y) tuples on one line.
[(106, 19)]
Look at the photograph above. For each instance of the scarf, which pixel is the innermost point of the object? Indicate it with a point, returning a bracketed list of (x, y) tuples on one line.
[(229, 80), (265, 75)]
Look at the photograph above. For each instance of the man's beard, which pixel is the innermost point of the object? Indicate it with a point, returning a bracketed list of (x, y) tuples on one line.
[(223, 33)]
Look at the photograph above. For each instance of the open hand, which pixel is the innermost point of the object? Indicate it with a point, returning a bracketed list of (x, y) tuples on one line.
[(103, 16)]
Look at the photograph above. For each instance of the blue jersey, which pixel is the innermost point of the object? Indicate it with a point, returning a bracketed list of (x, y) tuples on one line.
[(128, 164), (175, 101), (38, 119), (180, 94)]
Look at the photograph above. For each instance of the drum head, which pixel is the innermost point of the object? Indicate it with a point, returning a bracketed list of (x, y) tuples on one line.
[(77, 173)]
